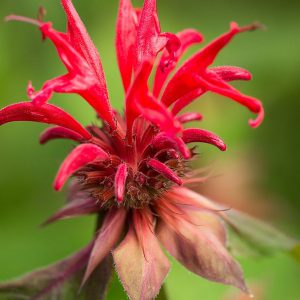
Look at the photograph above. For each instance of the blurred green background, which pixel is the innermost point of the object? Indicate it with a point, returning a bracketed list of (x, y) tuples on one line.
[(27, 169)]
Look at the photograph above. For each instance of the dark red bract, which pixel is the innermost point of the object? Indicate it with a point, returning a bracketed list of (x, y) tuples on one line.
[(134, 168)]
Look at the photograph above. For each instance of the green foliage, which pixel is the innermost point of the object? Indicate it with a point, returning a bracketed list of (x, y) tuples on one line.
[(49, 284), (252, 237), (296, 252)]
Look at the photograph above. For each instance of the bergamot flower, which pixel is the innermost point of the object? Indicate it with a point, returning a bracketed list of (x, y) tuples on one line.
[(134, 168)]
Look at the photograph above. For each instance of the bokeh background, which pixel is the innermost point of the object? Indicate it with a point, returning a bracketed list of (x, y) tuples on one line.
[(269, 154)]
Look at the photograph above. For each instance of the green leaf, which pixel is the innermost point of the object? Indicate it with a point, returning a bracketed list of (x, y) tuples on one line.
[(249, 236), (58, 282), (296, 252), (162, 294)]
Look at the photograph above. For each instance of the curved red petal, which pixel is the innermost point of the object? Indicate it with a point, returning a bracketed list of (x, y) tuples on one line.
[(182, 147), (254, 123), (166, 65), (58, 132), (194, 74), (164, 170), (163, 141), (46, 113), (231, 73), (219, 86), (78, 158), (192, 135), (189, 117), (120, 181), (197, 64), (226, 73)]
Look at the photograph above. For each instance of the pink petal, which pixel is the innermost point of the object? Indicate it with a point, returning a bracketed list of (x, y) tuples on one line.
[(109, 234), (188, 198), (78, 207), (78, 158), (187, 38), (141, 273), (172, 213), (125, 40), (173, 210), (163, 141), (47, 113), (201, 252), (164, 170), (192, 135), (58, 132), (189, 117), (210, 221), (120, 181)]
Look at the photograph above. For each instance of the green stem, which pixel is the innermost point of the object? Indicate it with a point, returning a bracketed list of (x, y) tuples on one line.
[(162, 294), (96, 287)]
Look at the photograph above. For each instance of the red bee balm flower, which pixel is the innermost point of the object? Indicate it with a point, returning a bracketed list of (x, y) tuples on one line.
[(133, 169)]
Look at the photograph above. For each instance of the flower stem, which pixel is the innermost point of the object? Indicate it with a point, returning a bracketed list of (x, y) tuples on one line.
[(162, 294), (96, 287)]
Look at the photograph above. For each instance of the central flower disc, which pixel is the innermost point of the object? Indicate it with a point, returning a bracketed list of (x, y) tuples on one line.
[(147, 171)]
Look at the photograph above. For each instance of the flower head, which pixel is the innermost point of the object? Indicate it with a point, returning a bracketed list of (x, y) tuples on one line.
[(133, 169)]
